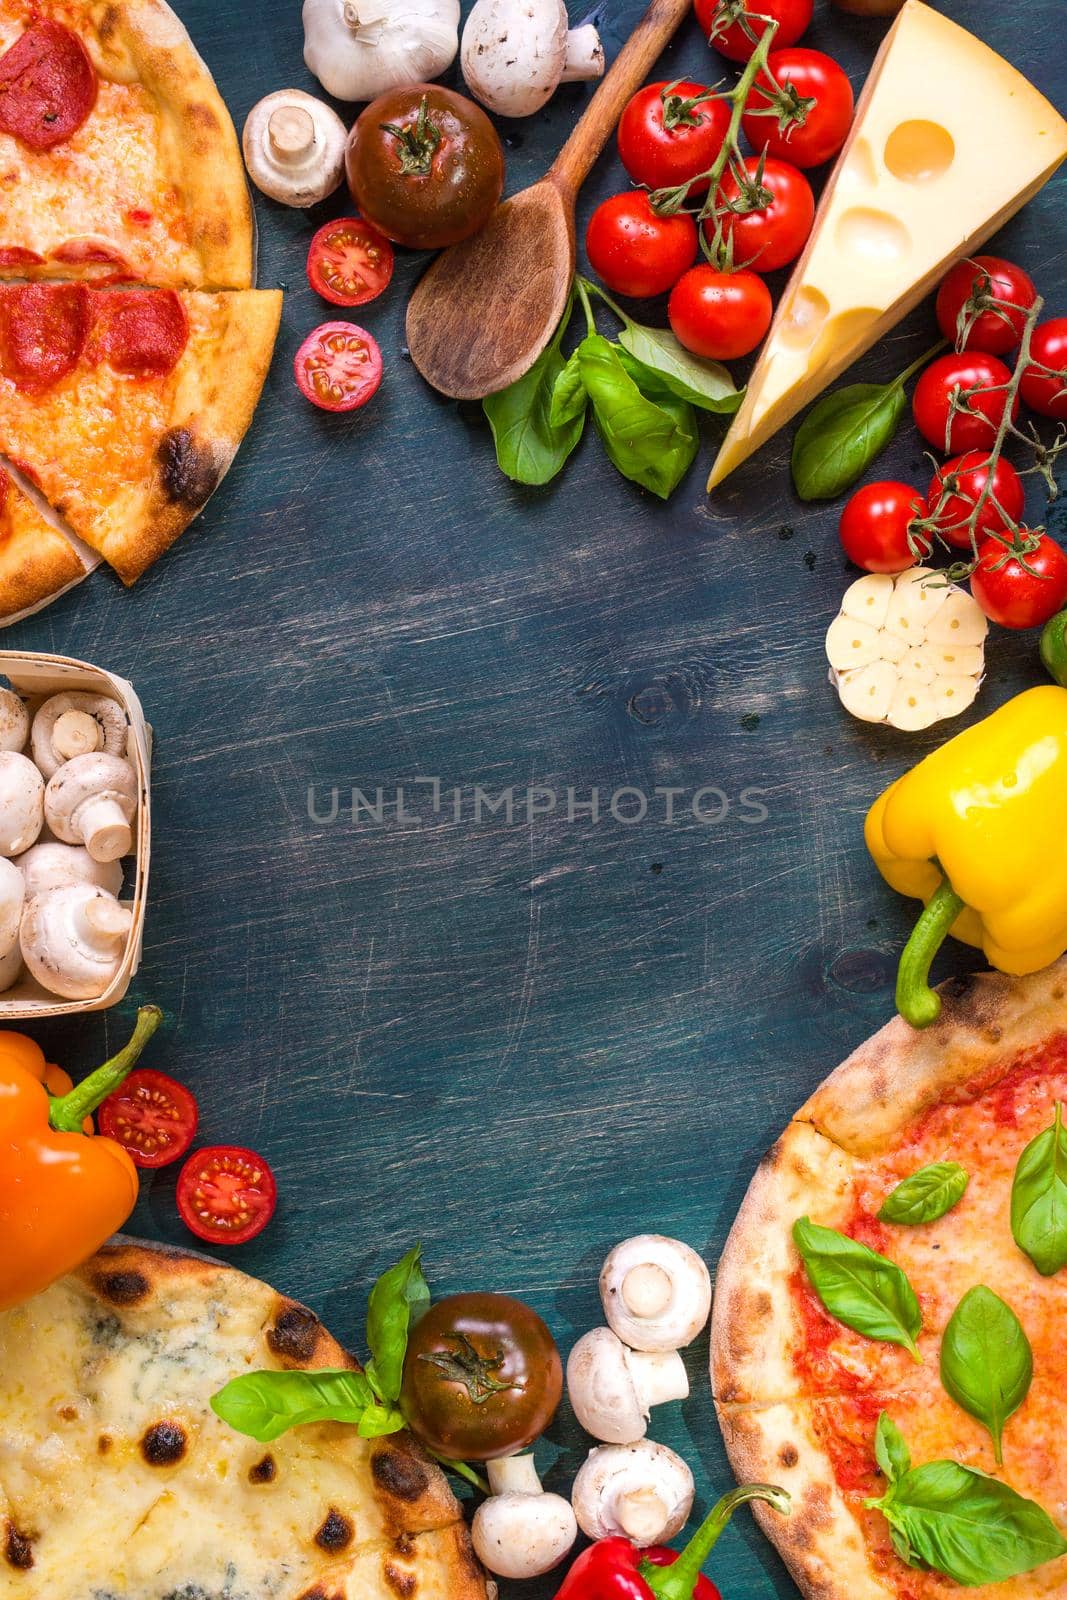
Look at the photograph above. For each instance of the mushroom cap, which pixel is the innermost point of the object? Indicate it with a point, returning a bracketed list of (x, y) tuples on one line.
[(656, 1292), (63, 728), (74, 938), (523, 1535), (294, 147), (513, 56), (21, 803), (641, 1491), (14, 721), (91, 800), (602, 1391), (50, 864), (12, 899)]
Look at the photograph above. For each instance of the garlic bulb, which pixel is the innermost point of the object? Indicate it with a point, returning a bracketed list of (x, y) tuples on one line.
[(359, 49)]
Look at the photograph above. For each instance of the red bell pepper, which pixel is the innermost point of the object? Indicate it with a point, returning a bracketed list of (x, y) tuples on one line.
[(615, 1569)]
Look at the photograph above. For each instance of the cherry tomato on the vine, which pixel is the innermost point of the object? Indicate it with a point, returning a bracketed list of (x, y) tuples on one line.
[(338, 367), (983, 301), (1046, 391), (1010, 594), (482, 1377), (719, 315), (349, 262), (981, 383), (151, 1116), (635, 251), (722, 21), (962, 480), (874, 525), (770, 235), (801, 75), (669, 134), (226, 1194)]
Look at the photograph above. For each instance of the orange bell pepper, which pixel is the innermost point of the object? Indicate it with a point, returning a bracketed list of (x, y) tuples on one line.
[(62, 1194)]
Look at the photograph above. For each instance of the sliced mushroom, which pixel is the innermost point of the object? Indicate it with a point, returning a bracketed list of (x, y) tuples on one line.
[(520, 1531), (656, 1292), (294, 147), (92, 800), (75, 724), (21, 803), (14, 721), (613, 1389), (642, 1492), (516, 52), (74, 938), (12, 899), (50, 864)]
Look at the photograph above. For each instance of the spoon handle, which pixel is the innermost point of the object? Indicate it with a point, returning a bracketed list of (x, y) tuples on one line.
[(627, 72)]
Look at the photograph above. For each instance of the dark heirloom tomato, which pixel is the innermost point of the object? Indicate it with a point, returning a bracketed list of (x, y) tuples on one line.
[(482, 1377), (425, 166)]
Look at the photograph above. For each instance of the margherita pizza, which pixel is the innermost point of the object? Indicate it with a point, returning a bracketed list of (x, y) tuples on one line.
[(117, 1479), (910, 1351)]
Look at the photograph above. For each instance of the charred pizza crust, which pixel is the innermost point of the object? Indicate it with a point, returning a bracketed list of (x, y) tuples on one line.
[(117, 1479)]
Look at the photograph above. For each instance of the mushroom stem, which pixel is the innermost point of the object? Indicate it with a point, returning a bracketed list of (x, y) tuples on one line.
[(105, 916), (659, 1377), (585, 55), (76, 733), (641, 1514), (105, 830), (291, 134), (513, 1475), (646, 1290)]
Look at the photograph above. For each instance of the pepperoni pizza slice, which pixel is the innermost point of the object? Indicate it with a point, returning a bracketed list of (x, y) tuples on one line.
[(118, 158), (126, 406), (36, 562)]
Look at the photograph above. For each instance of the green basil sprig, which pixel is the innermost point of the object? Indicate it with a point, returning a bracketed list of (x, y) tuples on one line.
[(663, 366), (973, 1529), (651, 442), (859, 1287), (1039, 1199), (531, 447), (926, 1195), (987, 1365)]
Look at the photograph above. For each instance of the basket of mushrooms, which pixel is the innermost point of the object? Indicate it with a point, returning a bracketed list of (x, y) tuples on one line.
[(74, 835)]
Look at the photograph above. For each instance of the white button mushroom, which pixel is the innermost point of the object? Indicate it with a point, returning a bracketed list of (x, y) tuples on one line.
[(50, 865), (21, 803), (91, 800), (359, 49), (75, 724), (516, 52), (12, 899), (656, 1292), (74, 938), (613, 1389), (294, 147), (14, 721), (641, 1491), (520, 1531)]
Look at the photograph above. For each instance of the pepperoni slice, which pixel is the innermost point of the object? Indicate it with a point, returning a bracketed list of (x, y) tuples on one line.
[(89, 252), (44, 329), (15, 255), (47, 86), (141, 332)]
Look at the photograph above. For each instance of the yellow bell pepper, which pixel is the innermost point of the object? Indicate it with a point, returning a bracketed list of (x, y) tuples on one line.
[(978, 831)]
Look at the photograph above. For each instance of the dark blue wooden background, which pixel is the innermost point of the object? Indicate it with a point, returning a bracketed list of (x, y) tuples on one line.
[(516, 1042)]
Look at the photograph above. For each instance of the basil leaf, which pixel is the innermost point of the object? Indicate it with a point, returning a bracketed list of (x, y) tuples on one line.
[(890, 1448), (858, 1286), (569, 398), (987, 1364), (529, 447), (972, 1528), (377, 1421), (927, 1195), (842, 434), (1039, 1199), (397, 1301), (653, 444), (266, 1404), (670, 368)]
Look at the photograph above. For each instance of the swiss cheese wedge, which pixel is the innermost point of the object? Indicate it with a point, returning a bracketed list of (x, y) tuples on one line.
[(949, 141)]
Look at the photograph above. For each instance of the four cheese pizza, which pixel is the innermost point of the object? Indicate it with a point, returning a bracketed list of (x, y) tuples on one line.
[(888, 1340), (117, 1479)]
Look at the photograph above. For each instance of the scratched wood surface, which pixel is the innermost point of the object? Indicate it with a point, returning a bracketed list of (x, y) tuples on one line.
[(517, 1041)]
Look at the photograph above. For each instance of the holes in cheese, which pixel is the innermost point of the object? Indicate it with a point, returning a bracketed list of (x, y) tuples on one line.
[(807, 312), (875, 239), (919, 151)]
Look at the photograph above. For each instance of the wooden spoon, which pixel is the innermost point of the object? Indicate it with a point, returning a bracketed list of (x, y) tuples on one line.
[(483, 312)]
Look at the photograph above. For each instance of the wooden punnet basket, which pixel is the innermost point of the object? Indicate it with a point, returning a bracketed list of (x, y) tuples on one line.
[(35, 677)]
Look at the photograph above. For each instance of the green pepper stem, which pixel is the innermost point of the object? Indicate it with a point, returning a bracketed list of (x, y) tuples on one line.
[(67, 1113), (916, 1001), (678, 1582)]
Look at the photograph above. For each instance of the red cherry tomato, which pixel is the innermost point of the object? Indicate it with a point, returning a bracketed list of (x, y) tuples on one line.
[(1013, 596), (349, 262), (813, 76), (720, 20), (970, 295), (636, 252), (874, 526), (151, 1116), (665, 139), (774, 234), (719, 315), (965, 477), (1046, 391), (981, 382), (338, 367), (225, 1194)]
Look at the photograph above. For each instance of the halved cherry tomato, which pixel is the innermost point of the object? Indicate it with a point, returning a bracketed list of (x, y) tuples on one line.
[(151, 1116), (1011, 594), (1045, 391), (338, 367), (768, 236), (823, 126), (981, 384), (637, 252), (719, 315), (965, 477), (349, 262), (226, 1194), (874, 525), (668, 134), (989, 298), (722, 21)]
